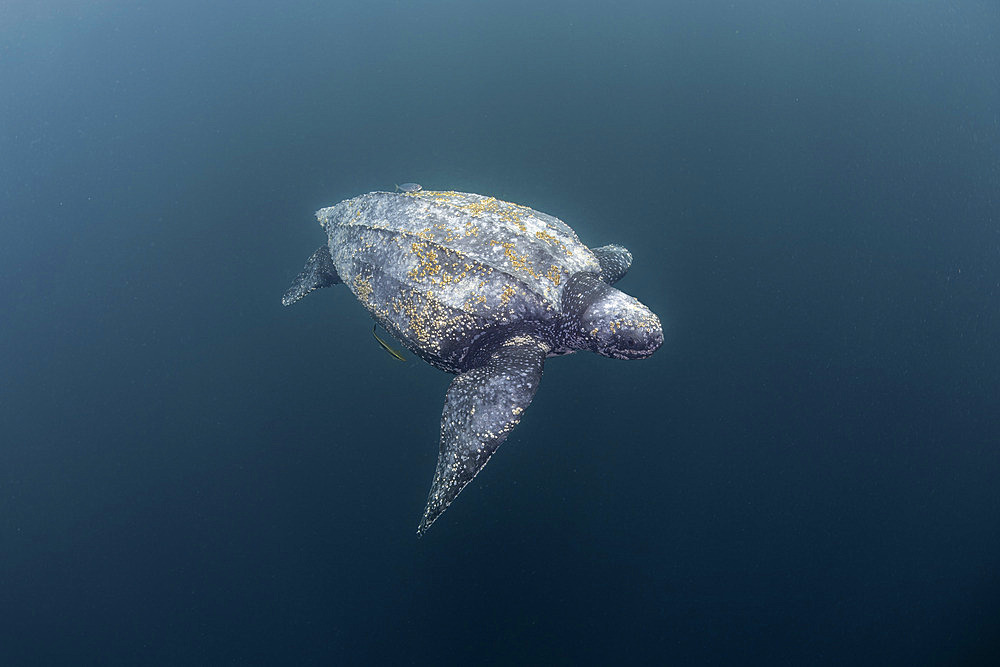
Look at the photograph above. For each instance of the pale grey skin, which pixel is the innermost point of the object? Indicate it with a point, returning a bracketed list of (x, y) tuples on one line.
[(484, 289)]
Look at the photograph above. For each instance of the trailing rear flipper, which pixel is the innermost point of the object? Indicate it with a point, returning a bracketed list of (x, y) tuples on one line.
[(318, 272)]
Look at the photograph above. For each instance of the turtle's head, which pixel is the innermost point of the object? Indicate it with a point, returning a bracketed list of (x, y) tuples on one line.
[(608, 321)]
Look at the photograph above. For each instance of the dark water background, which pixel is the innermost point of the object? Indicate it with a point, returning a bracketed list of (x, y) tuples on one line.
[(806, 473)]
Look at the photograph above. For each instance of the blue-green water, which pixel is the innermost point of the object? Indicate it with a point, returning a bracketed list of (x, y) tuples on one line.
[(805, 473)]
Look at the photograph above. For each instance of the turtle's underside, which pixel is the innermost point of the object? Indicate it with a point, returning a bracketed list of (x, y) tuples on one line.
[(484, 289)]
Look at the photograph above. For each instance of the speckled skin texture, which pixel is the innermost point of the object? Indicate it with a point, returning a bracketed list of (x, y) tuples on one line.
[(484, 289)]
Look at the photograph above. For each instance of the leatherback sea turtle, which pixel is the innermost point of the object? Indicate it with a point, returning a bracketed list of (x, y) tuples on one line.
[(484, 289)]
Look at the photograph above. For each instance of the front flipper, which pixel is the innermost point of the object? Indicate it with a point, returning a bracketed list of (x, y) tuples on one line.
[(614, 260), (482, 406), (318, 272)]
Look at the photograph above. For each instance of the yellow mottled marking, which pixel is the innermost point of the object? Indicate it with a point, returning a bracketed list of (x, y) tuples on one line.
[(507, 293), (554, 275), (363, 288)]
